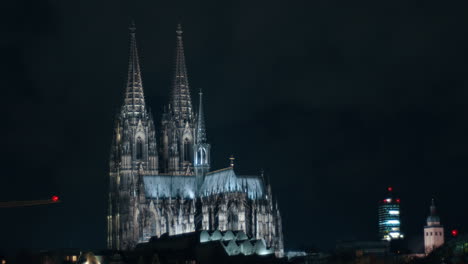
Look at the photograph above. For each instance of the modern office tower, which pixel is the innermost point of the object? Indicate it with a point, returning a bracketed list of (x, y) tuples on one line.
[(433, 231), (389, 217)]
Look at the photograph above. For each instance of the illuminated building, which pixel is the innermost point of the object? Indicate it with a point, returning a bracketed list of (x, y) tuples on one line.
[(160, 178), (433, 231), (389, 217)]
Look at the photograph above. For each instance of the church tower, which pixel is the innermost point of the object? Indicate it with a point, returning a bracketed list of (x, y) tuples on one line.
[(133, 155), (433, 231), (178, 122)]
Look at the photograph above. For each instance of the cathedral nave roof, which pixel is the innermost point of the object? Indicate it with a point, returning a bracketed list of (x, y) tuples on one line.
[(217, 182)]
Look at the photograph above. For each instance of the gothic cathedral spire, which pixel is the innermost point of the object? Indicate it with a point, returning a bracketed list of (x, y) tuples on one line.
[(142, 203), (133, 156), (178, 126), (181, 101), (134, 102)]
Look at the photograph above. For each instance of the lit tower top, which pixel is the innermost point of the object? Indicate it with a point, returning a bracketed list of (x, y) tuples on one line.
[(181, 102), (433, 219), (389, 217), (134, 104), (433, 231)]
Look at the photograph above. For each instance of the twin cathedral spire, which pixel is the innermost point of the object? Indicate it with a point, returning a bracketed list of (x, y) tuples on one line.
[(160, 183), (183, 148)]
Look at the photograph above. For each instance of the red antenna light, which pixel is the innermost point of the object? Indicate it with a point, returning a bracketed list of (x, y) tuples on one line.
[(398, 200), (454, 232), (55, 198), (390, 189)]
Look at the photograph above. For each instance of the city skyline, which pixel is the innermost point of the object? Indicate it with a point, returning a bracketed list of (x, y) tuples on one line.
[(333, 109)]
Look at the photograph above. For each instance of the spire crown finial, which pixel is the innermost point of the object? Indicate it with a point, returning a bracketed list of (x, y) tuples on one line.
[(179, 30), (433, 208), (231, 160), (433, 218), (132, 26)]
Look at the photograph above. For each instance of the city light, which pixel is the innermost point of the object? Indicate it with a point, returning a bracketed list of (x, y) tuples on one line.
[(55, 198), (454, 232)]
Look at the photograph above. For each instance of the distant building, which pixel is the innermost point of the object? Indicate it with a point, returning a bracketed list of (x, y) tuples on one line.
[(389, 217), (433, 231)]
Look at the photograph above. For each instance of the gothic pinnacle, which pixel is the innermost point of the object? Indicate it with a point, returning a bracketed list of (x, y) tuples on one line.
[(201, 130)]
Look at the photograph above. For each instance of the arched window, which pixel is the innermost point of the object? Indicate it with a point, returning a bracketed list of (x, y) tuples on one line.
[(233, 219), (210, 219), (186, 150), (216, 218), (139, 149), (167, 224), (201, 156)]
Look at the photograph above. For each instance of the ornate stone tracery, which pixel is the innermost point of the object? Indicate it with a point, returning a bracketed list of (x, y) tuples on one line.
[(169, 189)]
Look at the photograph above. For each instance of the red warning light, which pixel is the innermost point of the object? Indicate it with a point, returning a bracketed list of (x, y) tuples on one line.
[(398, 200), (390, 189), (55, 198), (454, 232)]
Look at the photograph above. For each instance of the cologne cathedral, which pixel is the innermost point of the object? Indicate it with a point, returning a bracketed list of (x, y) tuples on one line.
[(160, 182)]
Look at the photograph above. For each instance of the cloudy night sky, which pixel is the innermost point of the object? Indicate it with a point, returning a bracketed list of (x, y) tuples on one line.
[(335, 100)]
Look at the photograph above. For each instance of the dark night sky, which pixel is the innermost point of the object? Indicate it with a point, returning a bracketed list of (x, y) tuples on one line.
[(334, 99)]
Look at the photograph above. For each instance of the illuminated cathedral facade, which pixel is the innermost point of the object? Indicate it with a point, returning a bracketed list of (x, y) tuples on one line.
[(160, 179)]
